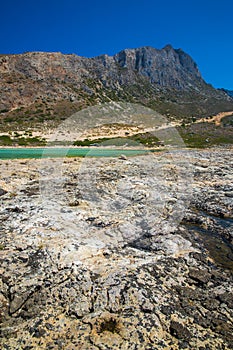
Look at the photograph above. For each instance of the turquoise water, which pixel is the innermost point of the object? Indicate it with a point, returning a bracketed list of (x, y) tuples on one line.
[(23, 153)]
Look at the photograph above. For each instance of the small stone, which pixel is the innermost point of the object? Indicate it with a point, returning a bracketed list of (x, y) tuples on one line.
[(179, 331), (123, 157), (2, 192), (200, 276)]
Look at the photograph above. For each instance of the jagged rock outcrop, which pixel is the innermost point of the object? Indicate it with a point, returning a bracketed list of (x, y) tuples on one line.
[(166, 68)]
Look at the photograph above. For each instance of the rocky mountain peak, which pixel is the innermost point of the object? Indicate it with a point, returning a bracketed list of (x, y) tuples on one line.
[(166, 67)]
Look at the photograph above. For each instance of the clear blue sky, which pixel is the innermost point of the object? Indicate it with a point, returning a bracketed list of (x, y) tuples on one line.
[(202, 28)]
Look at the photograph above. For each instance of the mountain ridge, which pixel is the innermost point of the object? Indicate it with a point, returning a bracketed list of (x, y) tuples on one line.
[(227, 91), (167, 80)]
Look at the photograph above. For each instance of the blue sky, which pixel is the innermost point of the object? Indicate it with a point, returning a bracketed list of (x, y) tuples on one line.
[(204, 29)]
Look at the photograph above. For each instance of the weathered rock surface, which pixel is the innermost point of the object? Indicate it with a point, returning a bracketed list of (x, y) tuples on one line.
[(107, 256)]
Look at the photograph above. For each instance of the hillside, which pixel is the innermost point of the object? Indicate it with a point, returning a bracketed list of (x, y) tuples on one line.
[(39, 88)]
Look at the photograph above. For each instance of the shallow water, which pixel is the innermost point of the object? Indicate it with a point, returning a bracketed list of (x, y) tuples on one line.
[(23, 153), (220, 250)]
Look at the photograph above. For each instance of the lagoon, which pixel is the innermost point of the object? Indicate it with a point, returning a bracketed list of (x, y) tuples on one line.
[(60, 152)]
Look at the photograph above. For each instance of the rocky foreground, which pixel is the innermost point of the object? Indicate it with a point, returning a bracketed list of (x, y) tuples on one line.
[(117, 253)]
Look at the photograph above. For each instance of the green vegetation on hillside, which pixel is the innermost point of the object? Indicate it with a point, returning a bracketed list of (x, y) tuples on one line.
[(204, 135), (146, 139), (227, 121), (6, 140)]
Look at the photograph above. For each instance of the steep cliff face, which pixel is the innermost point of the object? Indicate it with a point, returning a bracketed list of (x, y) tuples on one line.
[(166, 68), (167, 80)]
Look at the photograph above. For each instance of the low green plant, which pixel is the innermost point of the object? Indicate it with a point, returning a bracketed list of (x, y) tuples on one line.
[(5, 140)]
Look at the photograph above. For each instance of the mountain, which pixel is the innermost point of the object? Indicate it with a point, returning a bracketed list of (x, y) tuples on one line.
[(43, 88), (228, 92)]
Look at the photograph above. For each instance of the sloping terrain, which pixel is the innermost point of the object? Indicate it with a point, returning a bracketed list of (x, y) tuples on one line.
[(40, 89)]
